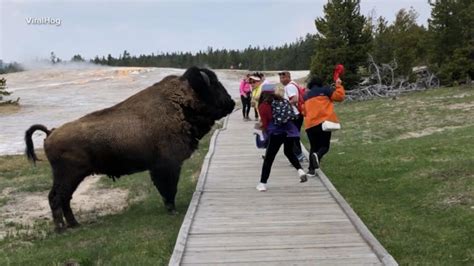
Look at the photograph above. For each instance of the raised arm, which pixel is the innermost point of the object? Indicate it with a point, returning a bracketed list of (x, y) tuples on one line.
[(339, 94)]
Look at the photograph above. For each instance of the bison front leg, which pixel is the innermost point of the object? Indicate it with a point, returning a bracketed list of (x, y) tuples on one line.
[(165, 176)]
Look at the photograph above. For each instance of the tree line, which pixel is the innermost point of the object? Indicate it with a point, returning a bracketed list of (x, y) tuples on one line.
[(10, 68), (293, 56)]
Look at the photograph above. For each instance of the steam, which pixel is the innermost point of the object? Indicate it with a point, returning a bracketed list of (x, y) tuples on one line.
[(46, 64)]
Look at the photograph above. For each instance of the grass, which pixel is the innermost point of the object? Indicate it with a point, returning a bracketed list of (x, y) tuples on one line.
[(144, 234), (16, 172), (406, 167), (3, 201)]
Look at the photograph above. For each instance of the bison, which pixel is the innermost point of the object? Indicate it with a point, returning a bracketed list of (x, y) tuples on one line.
[(155, 130)]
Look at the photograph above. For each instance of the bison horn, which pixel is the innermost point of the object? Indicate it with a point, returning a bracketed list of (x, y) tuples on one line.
[(206, 78)]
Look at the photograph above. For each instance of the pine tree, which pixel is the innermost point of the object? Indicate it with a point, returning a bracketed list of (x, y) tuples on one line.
[(343, 38), (445, 29), (404, 41), (125, 58), (77, 58), (110, 60), (451, 28), (3, 88), (383, 45), (4, 92), (96, 60), (53, 58)]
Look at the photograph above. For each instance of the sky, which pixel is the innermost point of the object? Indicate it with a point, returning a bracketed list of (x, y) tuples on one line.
[(91, 28)]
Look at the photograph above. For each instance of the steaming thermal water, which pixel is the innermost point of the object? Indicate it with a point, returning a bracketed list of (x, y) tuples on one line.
[(55, 96)]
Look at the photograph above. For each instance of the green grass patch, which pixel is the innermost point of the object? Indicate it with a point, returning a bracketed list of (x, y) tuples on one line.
[(406, 167), (3, 201), (17, 173), (144, 234)]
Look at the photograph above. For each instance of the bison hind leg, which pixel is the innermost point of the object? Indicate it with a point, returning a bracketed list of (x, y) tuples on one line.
[(65, 183), (165, 177), (67, 211), (55, 204)]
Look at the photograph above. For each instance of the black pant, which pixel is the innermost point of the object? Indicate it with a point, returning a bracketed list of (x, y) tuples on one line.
[(274, 144), (245, 105), (297, 147), (256, 112), (319, 141)]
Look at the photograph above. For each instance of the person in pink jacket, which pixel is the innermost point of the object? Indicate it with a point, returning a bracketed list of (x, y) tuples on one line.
[(245, 90)]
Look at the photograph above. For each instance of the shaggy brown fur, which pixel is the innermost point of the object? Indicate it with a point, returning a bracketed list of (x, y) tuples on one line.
[(155, 129)]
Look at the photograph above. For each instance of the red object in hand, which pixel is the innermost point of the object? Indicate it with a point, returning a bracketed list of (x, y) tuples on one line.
[(338, 71)]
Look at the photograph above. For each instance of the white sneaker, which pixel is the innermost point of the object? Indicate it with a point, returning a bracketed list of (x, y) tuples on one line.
[(262, 187), (302, 176)]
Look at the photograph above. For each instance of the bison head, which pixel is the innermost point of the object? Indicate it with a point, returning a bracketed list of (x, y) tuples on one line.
[(210, 91)]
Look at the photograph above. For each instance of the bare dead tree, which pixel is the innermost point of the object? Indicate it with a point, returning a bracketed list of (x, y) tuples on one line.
[(382, 82)]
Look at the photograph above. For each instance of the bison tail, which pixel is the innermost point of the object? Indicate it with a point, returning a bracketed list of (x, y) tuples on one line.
[(30, 149)]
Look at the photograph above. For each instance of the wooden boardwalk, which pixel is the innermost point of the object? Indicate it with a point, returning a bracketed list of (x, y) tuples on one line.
[(230, 222)]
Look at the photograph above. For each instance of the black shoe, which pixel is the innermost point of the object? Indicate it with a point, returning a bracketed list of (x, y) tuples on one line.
[(314, 160), (311, 173)]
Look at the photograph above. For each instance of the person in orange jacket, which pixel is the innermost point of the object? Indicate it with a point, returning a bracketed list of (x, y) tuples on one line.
[(319, 107)]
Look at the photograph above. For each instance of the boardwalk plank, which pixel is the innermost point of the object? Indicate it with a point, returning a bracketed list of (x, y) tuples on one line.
[(290, 240), (319, 262), (228, 256)]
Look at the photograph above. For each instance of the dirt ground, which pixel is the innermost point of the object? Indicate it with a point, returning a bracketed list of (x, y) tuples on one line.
[(425, 132), (24, 209)]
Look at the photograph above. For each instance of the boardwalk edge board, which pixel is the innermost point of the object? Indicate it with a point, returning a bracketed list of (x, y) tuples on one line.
[(374, 244), (177, 256)]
